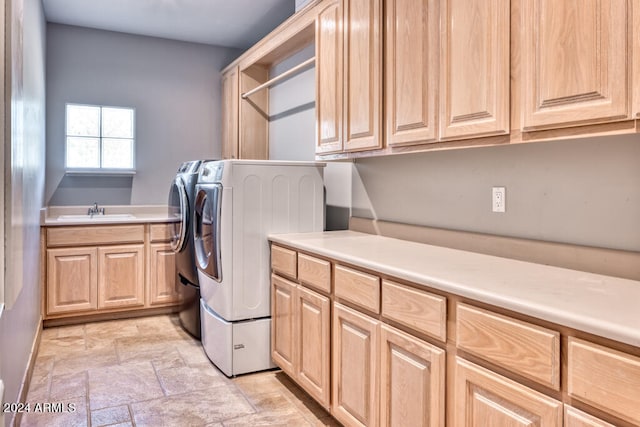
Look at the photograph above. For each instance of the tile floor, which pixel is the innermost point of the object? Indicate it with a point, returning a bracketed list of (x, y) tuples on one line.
[(149, 372)]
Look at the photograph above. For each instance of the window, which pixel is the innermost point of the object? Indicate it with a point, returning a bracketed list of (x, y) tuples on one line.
[(99, 137)]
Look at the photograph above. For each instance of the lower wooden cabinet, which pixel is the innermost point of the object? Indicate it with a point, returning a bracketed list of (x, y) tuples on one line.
[(72, 280), (484, 398), (162, 275), (282, 324), (121, 276), (575, 418), (313, 336), (412, 380), (300, 336), (355, 367), (108, 268)]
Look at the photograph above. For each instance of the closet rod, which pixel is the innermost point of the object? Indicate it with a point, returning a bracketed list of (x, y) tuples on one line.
[(279, 77)]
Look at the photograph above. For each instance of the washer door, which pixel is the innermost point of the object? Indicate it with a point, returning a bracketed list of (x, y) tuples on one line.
[(206, 230), (179, 211)]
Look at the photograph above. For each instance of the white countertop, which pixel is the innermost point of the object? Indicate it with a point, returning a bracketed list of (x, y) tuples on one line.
[(114, 214), (602, 305)]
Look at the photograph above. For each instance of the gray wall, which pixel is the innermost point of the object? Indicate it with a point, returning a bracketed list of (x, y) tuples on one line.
[(174, 87), (292, 134), (584, 192), (23, 199)]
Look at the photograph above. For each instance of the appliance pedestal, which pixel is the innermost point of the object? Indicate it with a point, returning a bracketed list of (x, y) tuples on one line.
[(236, 347)]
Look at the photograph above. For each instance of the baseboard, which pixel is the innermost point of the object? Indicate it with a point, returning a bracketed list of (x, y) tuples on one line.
[(74, 320), (26, 380), (610, 262)]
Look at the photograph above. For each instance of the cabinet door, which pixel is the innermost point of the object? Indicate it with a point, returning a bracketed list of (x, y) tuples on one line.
[(411, 62), (355, 367), (363, 74), (483, 398), (475, 57), (72, 280), (121, 276), (162, 275), (329, 83), (230, 95), (313, 323), (283, 345), (412, 381), (576, 418), (574, 62)]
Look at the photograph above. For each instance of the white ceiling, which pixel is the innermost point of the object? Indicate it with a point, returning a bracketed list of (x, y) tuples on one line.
[(231, 23)]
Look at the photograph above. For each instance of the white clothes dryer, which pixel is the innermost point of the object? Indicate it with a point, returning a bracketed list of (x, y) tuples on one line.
[(238, 203)]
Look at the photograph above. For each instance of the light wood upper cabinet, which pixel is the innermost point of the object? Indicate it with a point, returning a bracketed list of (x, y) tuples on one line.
[(355, 367), (230, 96), (483, 398), (411, 67), (412, 381), (72, 275), (162, 275), (574, 62), (362, 74), (475, 70), (121, 276), (329, 82)]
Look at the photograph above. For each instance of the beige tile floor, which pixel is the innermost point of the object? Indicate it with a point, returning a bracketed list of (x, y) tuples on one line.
[(149, 372)]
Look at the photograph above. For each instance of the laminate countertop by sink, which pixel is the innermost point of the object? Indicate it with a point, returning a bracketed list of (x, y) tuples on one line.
[(602, 305), (53, 216)]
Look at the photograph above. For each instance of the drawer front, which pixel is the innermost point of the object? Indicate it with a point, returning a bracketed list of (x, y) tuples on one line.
[(283, 261), (576, 418), (604, 378), (95, 235), (360, 288), (526, 349), (419, 310), (314, 272), (160, 232)]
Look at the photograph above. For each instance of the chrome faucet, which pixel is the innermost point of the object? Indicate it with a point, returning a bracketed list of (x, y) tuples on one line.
[(95, 210)]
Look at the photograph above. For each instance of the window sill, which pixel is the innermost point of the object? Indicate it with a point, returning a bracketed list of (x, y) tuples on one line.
[(105, 172)]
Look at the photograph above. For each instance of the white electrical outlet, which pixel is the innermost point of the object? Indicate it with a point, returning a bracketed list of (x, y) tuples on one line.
[(499, 198)]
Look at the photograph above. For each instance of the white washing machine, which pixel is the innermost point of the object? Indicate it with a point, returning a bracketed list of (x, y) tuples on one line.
[(238, 203)]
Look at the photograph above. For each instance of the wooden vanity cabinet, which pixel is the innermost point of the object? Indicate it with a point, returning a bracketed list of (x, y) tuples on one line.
[(105, 268)]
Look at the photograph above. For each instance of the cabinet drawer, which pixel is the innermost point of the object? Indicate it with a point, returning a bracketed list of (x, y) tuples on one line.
[(604, 378), (283, 261), (526, 349), (417, 309), (95, 235), (160, 232), (314, 272), (360, 288)]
